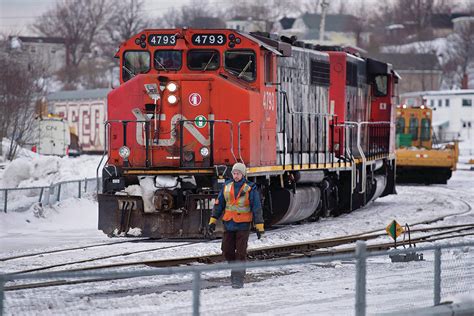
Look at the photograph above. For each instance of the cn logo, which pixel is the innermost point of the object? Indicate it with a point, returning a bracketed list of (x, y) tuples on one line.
[(195, 99)]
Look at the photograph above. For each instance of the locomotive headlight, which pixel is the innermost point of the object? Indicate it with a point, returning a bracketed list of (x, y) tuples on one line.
[(172, 87), (204, 151), (172, 99), (124, 152)]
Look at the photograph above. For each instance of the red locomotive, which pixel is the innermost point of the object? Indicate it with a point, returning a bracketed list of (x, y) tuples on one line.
[(313, 124)]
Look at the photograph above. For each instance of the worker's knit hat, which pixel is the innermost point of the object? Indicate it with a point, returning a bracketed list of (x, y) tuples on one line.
[(240, 167)]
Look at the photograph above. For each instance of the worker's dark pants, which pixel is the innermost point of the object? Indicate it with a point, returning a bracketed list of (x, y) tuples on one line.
[(234, 248)]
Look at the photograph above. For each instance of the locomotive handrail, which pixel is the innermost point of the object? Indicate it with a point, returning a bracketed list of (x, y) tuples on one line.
[(360, 149), (238, 132)]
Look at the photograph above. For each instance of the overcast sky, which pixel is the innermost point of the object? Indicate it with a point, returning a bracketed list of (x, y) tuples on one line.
[(15, 15)]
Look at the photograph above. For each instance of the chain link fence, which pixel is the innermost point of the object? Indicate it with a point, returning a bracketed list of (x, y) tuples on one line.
[(359, 283), (21, 199)]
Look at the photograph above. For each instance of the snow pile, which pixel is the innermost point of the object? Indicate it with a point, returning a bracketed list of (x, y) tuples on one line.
[(47, 170), (20, 152), (63, 222)]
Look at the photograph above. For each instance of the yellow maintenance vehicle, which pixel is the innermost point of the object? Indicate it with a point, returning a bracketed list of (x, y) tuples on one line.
[(420, 159)]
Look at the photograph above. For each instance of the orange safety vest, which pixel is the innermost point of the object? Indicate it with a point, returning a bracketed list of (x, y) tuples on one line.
[(237, 209)]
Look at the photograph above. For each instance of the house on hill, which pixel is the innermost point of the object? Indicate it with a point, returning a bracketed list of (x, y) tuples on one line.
[(49, 52), (340, 29), (246, 24), (419, 72)]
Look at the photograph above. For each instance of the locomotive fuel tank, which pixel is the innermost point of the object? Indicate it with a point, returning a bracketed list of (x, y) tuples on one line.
[(290, 206)]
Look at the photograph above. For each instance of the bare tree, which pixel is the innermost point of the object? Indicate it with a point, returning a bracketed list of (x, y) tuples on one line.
[(415, 13), (269, 11), (79, 22), (126, 20), (461, 50), (186, 14), (20, 87)]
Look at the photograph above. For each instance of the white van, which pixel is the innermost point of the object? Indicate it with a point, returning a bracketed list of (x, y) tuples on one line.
[(51, 136)]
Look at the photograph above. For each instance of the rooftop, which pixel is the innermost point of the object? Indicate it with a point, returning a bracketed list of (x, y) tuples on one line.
[(409, 61), (78, 95), (334, 22), (39, 39)]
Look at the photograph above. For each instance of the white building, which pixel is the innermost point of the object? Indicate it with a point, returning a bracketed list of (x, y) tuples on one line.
[(244, 24), (453, 113), (49, 52), (85, 111)]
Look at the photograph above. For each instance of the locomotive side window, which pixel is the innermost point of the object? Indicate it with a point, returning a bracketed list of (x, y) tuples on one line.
[(400, 125), (241, 64), (134, 63), (203, 59), (380, 88), (167, 59), (414, 128), (268, 68)]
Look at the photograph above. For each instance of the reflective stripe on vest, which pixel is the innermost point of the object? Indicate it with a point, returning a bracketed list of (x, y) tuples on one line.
[(237, 209)]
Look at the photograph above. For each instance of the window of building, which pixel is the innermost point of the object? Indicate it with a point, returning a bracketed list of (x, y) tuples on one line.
[(168, 59), (446, 103), (464, 124), (241, 63), (134, 63), (440, 103), (432, 104), (200, 59), (466, 102)]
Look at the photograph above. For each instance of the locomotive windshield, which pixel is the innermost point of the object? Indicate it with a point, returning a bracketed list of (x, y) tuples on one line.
[(241, 64), (203, 60), (168, 59), (134, 63)]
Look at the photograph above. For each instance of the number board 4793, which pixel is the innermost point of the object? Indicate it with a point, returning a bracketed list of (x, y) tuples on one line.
[(162, 39), (208, 39)]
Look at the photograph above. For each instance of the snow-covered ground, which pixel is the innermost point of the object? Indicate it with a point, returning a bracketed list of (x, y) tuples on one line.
[(323, 289)]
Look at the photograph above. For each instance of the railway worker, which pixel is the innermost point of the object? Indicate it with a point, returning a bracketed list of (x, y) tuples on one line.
[(239, 203)]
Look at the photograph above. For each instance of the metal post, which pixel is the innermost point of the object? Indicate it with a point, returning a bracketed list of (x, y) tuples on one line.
[(59, 192), (5, 204), (41, 195), (360, 304), (196, 292), (437, 276), (2, 294), (79, 188)]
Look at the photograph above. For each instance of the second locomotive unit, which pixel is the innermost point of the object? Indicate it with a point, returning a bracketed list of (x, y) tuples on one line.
[(314, 125)]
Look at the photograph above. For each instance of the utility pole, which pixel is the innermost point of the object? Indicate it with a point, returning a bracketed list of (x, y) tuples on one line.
[(322, 26)]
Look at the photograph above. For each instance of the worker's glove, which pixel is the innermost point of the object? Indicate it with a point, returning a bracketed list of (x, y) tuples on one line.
[(212, 225), (260, 230)]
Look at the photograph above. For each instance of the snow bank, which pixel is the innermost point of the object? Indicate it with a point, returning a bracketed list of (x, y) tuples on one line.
[(46, 170)]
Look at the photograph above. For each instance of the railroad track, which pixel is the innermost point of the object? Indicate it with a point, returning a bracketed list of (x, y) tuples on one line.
[(296, 250), (122, 254), (467, 209), (41, 253)]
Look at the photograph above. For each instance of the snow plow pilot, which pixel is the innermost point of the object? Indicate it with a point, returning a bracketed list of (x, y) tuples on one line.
[(239, 202)]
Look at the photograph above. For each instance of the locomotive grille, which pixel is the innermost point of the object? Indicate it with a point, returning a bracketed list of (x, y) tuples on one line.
[(320, 73)]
